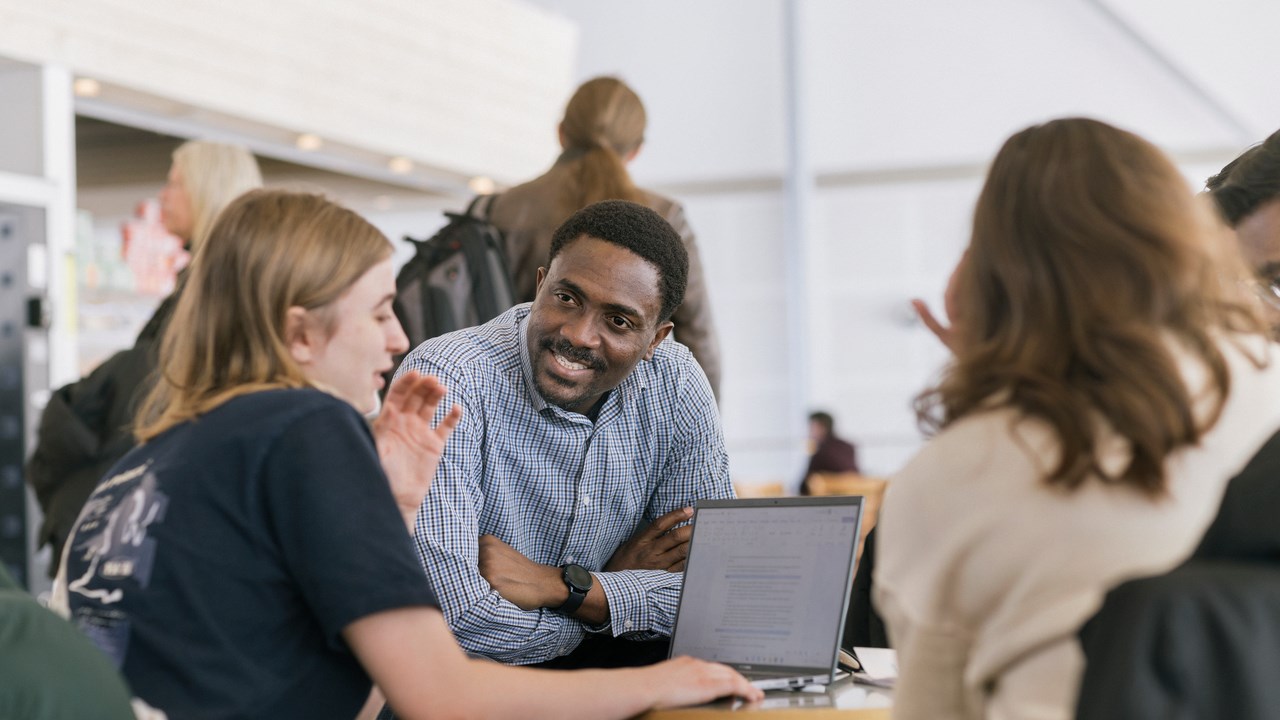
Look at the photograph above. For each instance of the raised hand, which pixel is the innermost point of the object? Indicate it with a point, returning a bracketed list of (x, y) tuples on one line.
[(945, 333), (657, 547), (408, 445)]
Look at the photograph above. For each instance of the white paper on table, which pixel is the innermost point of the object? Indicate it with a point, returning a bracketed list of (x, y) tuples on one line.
[(880, 667)]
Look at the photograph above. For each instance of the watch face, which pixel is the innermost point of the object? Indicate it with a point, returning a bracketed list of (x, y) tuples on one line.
[(577, 576)]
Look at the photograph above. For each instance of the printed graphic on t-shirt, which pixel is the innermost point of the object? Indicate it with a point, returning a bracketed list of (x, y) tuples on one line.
[(112, 555)]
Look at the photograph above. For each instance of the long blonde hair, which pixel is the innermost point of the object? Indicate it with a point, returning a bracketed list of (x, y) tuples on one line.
[(269, 250), (603, 124), (213, 174), (1089, 254)]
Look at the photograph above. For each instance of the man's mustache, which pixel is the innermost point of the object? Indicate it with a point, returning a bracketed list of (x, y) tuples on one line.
[(568, 351)]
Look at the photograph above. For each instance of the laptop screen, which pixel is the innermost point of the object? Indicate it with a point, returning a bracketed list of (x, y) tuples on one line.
[(766, 585)]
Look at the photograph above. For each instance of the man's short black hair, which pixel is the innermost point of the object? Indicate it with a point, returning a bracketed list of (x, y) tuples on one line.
[(824, 419), (1248, 182), (640, 230)]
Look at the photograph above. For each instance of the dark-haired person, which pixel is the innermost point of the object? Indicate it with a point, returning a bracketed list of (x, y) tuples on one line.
[(831, 453), (1247, 192), (1111, 374), (586, 434), (250, 557), (601, 133)]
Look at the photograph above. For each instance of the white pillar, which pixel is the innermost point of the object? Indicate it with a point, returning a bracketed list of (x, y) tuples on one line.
[(37, 197), (797, 219)]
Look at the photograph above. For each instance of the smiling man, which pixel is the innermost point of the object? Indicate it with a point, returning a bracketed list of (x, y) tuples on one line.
[(586, 434)]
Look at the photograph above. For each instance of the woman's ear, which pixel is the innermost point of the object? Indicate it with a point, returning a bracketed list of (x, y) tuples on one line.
[(300, 341)]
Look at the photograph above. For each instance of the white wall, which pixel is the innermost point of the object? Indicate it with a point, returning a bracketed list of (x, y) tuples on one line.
[(458, 86)]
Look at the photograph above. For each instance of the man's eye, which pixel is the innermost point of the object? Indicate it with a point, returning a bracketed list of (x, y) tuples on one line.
[(620, 322), (564, 297)]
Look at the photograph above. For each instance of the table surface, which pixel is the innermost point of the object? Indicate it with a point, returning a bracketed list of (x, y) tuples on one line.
[(842, 700)]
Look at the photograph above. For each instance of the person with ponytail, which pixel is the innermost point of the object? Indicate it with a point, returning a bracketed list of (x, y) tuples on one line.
[(602, 130)]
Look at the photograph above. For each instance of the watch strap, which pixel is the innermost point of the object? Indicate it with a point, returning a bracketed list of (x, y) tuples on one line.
[(576, 595)]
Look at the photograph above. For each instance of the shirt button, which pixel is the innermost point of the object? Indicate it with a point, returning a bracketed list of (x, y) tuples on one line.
[(569, 559), (627, 624), (586, 500)]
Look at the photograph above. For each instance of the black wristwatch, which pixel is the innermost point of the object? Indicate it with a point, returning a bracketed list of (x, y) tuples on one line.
[(579, 581)]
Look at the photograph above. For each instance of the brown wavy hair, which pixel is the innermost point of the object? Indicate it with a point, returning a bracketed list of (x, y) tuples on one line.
[(1090, 260), (603, 124), (268, 251)]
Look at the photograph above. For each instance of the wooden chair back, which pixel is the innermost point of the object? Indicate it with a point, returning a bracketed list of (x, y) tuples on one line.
[(848, 483)]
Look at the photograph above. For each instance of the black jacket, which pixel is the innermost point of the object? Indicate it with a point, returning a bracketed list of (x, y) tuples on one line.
[(86, 427), (1202, 641)]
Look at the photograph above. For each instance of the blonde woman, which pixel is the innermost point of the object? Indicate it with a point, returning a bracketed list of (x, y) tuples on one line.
[(84, 428), (1110, 375), (250, 557), (203, 179)]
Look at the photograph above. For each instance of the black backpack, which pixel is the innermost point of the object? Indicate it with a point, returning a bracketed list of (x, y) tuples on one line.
[(456, 279)]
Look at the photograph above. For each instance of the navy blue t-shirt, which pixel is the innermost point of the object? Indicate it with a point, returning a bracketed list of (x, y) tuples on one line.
[(219, 563)]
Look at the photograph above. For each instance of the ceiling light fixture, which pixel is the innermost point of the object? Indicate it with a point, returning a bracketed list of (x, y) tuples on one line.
[(86, 87), (400, 165), (309, 142), (482, 185)]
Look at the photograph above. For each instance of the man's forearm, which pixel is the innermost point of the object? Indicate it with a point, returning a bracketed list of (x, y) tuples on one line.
[(533, 586), (640, 601), (504, 632)]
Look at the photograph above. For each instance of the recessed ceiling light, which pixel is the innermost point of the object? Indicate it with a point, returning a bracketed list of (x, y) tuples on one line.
[(482, 185), (309, 142), (400, 165), (86, 87)]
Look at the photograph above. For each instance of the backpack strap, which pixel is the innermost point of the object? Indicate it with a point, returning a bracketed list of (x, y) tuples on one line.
[(481, 258), (482, 206)]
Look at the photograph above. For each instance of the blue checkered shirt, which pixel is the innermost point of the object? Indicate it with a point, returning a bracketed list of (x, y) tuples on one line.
[(557, 487)]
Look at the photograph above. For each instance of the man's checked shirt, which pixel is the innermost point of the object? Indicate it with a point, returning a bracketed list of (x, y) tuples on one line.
[(558, 488)]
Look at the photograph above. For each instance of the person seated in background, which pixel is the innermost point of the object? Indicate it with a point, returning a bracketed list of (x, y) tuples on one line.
[(587, 435), (85, 428), (250, 558), (602, 131), (1247, 192), (1111, 374), (830, 453)]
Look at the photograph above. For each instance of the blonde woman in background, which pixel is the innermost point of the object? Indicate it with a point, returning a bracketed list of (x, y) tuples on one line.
[(250, 558), (84, 428), (1111, 374), (602, 130), (203, 179)]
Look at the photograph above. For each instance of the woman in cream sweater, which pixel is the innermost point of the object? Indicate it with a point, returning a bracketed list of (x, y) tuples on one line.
[(1110, 375)]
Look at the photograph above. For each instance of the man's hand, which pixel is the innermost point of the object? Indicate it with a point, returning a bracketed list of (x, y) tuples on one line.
[(656, 547), (518, 579)]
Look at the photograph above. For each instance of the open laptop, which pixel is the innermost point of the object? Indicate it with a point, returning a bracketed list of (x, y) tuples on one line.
[(766, 587)]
